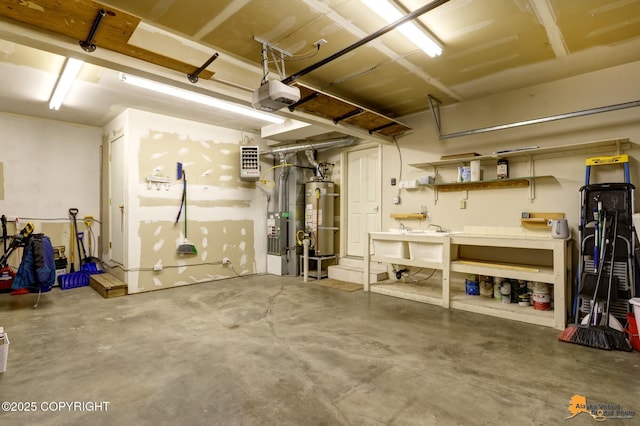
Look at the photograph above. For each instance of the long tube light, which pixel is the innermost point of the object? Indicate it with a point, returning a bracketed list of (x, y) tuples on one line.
[(71, 69), (199, 98), (390, 13)]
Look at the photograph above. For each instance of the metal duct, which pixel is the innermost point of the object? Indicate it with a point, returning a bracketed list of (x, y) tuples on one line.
[(311, 159), (282, 184), (318, 146)]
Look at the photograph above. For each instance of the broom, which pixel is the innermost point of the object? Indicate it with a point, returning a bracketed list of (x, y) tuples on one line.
[(590, 335), (594, 335), (617, 339), (186, 246)]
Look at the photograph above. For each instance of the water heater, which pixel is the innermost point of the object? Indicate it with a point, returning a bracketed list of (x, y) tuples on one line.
[(319, 216)]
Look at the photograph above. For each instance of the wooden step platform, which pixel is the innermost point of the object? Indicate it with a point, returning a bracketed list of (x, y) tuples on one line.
[(108, 285)]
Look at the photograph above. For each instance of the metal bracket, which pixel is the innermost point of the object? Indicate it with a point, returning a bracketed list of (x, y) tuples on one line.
[(434, 106), (266, 46), (272, 47), (348, 115), (193, 77), (87, 45), (384, 126), (312, 96)]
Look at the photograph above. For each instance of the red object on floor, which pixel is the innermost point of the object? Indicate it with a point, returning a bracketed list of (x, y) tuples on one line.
[(19, 291), (634, 339), (6, 278)]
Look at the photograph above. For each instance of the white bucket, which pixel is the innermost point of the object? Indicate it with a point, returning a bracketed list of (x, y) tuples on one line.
[(635, 301), (541, 297), (4, 353)]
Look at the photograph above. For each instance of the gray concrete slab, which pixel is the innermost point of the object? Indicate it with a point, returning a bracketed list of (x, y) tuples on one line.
[(275, 350)]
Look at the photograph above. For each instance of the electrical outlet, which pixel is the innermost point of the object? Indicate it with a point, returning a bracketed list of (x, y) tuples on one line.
[(226, 261), (320, 43), (463, 204), (396, 200), (157, 267)]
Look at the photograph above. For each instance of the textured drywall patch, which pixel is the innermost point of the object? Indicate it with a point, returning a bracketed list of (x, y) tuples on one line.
[(219, 200), (175, 203), (207, 163), (213, 240)]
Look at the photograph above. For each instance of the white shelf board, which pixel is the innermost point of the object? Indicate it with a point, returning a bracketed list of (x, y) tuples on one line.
[(513, 311), (601, 145), (407, 262), (429, 293), (543, 274)]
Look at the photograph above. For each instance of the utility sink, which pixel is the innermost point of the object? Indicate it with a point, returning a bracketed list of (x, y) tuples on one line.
[(393, 249), (429, 232), (428, 249)]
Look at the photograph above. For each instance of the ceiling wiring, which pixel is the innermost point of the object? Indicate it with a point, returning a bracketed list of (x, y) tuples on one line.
[(307, 55), (371, 69)]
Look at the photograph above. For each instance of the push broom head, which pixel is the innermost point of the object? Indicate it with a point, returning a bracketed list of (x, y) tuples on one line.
[(186, 247)]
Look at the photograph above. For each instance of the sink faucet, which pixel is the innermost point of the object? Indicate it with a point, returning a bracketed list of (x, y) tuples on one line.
[(436, 226)]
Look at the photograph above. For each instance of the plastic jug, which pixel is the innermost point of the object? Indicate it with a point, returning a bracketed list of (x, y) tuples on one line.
[(559, 228)]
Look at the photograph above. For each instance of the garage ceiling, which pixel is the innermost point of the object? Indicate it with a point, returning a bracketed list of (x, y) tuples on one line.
[(489, 46)]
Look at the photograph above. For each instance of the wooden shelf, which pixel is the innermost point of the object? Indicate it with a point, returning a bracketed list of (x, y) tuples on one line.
[(522, 154), (535, 220), (540, 220), (522, 182), (431, 294), (555, 271), (585, 147), (513, 311), (495, 269), (408, 215)]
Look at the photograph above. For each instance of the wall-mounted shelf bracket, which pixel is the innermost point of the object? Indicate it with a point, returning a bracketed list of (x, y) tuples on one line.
[(434, 106)]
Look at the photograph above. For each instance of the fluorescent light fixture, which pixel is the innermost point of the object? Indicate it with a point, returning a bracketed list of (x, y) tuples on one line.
[(388, 11), (69, 74), (199, 98)]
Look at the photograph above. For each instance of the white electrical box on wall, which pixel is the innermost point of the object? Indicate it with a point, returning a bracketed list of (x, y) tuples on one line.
[(249, 163)]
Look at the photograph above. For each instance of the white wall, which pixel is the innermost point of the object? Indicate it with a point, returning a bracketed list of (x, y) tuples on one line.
[(226, 216), (502, 207), (49, 167)]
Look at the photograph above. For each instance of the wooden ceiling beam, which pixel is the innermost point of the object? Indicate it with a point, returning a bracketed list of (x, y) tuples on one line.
[(75, 19)]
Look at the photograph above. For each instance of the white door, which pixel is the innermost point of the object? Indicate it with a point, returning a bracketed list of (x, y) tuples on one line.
[(116, 200), (363, 198)]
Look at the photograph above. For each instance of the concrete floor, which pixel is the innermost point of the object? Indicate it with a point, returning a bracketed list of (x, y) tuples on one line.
[(274, 350)]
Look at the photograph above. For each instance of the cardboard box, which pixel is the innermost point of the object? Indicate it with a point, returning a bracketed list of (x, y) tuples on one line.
[(108, 285)]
